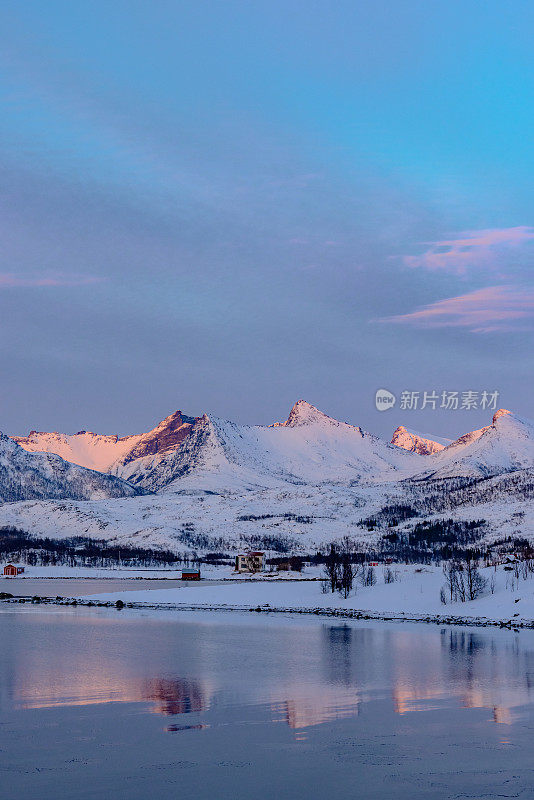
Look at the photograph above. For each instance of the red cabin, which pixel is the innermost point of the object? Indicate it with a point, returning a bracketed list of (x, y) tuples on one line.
[(11, 571), (190, 574)]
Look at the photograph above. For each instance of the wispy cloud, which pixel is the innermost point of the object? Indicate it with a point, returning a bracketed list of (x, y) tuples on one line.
[(12, 280), (471, 249), (495, 309)]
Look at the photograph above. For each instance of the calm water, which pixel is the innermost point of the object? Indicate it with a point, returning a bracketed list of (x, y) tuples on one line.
[(107, 704)]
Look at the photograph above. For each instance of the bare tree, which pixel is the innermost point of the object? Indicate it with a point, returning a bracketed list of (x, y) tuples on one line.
[(369, 577), (454, 580), (347, 575), (475, 583), (463, 580), (390, 576), (332, 568)]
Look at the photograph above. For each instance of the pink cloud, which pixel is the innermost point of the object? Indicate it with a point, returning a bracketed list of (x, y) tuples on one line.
[(472, 249), (490, 310), (10, 280)]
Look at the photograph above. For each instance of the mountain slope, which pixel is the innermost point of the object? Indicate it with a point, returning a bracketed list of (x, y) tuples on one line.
[(299, 484), (309, 448), (505, 445), (416, 443), (102, 452), (26, 476), (90, 450)]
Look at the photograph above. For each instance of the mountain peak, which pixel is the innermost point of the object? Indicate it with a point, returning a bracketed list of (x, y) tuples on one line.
[(172, 423), (44, 475), (416, 442), (303, 413), (168, 435), (502, 412)]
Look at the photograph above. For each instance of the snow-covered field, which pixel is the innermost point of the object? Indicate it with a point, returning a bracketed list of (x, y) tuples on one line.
[(210, 572), (415, 594)]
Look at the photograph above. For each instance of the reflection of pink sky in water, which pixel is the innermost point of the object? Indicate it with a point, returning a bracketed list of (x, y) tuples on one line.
[(334, 676)]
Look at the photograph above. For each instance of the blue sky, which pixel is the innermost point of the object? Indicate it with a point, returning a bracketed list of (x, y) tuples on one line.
[(225, 206)]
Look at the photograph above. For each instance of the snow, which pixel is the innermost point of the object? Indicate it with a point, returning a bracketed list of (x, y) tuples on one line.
[(44, 475), (116, 572), (417, 442), (507, 444), (305, 517), (310, 448), (415, 594), (90, 450), (216, 485)]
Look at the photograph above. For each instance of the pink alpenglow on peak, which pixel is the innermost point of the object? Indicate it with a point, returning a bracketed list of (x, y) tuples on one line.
[(416, 442), (501, 412), (105, 452), (303, 413), (504, 446)]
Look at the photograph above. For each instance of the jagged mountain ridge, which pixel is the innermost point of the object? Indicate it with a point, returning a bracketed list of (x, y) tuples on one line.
[(104, 452), (310, 448), (308, 480), (25, 476), (416, 442), (504, 446)]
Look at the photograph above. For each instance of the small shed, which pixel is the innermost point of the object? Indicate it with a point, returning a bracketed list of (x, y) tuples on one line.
[(190, 574), (11, 570)]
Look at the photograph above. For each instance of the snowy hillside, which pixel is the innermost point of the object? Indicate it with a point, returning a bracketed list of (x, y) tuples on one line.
[(310, 448), (214, 454), (299, 518), (505, 445), (101, 451), (26, 475), (213, 485), (416, 442)]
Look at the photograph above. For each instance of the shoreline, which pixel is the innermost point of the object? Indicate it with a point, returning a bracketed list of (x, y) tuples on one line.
[(340, 613)]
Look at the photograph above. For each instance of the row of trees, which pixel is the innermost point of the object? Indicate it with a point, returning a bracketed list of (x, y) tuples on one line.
[(17, 545), (342, 571)]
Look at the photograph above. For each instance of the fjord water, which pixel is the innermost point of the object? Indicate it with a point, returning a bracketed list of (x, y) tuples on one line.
[(105, 704)]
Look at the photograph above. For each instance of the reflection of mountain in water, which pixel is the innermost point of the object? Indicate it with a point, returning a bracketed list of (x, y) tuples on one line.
[(175, 696), (304, 675), (170, 696), (473, 670), (324, 705)]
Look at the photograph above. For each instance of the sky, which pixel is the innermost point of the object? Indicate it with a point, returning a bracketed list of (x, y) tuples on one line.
[(224, 207)]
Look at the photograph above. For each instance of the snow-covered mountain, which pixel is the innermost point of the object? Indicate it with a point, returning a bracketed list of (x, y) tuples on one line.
[(297, 484), (25, 476), (214, 484), (308, 448), (102, 452), (505, 445), (416, 442), (210, 453)]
